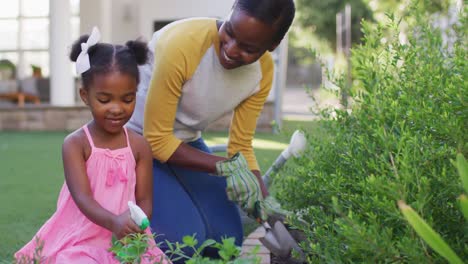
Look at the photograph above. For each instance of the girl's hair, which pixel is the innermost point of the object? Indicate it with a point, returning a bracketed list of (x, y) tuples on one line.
[(278, 13), (105, 58)]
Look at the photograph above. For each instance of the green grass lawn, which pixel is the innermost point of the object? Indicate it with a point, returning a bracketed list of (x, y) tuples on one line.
[(31, 177)]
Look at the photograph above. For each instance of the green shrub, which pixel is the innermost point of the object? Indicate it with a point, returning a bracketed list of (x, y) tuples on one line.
[(131, 249), (425, 231), (408, 119)]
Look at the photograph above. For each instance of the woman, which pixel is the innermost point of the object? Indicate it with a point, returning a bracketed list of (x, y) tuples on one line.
[(203, 68)]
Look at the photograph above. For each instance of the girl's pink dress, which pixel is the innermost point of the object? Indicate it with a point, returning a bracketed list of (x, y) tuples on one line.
[(69, 236)]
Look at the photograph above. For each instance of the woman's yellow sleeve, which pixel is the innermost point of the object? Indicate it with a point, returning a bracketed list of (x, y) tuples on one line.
[(246, 114), (163, 96)]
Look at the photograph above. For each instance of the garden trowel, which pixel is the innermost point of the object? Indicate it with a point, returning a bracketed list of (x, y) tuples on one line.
[(279, 241)]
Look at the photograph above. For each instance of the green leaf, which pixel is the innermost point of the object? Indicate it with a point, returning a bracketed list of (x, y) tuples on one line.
[(464, 205), (190, 241), (114, 239), (462, 167), (206, 243), (169, 245), (428, 234)]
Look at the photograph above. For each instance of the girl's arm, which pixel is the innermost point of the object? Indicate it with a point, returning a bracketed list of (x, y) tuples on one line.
[(77, 181), (144, 175)]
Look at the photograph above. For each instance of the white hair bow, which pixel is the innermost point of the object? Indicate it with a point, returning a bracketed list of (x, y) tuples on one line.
[(82, 62)]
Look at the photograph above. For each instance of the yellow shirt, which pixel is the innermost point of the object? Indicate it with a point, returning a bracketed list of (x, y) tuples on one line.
[(189, 89)]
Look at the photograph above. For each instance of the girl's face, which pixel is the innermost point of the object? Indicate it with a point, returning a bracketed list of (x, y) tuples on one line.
[(244, 39), (111, 98)]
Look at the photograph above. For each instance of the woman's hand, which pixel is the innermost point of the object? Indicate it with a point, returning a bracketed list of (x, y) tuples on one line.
[(123, 225), (243, 186), (263, 187)]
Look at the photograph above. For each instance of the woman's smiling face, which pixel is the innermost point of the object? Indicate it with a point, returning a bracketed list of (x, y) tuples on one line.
[(244, 39)]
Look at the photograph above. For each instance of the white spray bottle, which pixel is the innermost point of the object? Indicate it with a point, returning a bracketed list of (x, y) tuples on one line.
[(138, 216)]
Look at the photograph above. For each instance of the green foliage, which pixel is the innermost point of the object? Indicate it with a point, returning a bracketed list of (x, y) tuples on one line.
[(462, 167), (425, 231), (227, 249), (315, 22), (131, 249), (398, 7), (319, 17), (407, 121), (428, 234)]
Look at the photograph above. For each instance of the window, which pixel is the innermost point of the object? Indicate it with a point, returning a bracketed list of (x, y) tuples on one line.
[(24, 29)]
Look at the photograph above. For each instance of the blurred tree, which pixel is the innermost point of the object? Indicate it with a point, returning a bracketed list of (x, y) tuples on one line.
[(319, 17), (315, 25), (436, 6), (398, 7)]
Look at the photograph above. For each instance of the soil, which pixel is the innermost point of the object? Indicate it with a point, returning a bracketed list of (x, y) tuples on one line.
[(296, 234), (275, 260)]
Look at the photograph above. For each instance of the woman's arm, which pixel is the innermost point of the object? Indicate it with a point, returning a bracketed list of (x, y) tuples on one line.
[(144, 175), (174, 64), (244, 121), (192, 158), (77, 182), (161, 106)]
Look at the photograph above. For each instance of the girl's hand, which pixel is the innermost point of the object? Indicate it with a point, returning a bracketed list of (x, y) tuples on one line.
[(123, 225)]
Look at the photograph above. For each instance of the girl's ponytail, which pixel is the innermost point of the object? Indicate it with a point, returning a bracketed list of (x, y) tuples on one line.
[(139, 49), (106, 57), (76, 47)]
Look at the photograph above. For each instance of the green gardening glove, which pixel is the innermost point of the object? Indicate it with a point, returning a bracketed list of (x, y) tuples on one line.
[(270, 207), (242, 185)]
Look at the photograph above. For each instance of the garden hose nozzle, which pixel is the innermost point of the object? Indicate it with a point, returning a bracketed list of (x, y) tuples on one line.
[(138, 216), (295, 148)]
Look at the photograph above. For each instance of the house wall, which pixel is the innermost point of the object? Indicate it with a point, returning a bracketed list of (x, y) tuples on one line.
[(121, 20), (153, 10)]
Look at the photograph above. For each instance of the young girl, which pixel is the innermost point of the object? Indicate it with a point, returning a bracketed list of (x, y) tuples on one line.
[(105, 164)]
